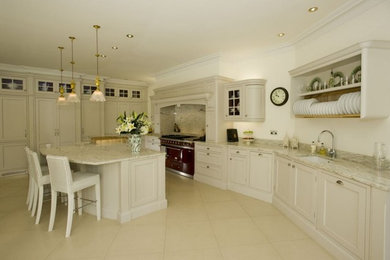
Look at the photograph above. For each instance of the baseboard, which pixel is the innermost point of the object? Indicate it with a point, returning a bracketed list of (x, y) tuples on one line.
[(142, 210), (210, 181)]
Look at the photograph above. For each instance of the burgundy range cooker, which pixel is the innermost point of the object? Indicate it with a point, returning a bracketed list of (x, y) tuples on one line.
[(179, 153)]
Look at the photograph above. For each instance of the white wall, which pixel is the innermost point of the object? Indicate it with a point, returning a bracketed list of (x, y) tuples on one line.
[(272, 66), (352, 135)]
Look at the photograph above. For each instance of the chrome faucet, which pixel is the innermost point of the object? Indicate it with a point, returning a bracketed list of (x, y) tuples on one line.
[(331, 151)]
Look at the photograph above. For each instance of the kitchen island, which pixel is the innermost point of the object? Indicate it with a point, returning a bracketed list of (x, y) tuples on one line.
[(132, 185)]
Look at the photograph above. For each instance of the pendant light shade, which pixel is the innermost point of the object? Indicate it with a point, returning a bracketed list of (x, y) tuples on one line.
[(97, 95), (61, 99), (72, 98)]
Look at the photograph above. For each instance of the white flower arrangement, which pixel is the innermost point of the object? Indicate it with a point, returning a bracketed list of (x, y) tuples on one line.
[(134, 124)]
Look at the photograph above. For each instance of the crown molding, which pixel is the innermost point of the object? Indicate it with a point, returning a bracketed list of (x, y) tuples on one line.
[(345, 12), (187, 65)]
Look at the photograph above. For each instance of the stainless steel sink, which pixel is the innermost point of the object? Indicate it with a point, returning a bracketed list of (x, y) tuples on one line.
[(315, 159)]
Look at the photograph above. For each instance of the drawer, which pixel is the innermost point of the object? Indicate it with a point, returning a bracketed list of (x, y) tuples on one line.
[(207, 148), (209, 170), (209, 157), (233, 151)]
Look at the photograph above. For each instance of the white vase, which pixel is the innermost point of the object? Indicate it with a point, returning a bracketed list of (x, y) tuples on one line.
[(134, 142)]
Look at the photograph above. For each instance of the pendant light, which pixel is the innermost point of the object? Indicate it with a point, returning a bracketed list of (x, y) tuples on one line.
[(97, 95), (72, 98), (61, 99)]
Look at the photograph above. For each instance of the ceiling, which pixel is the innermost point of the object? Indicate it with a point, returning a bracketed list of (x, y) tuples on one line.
[(167, 33)]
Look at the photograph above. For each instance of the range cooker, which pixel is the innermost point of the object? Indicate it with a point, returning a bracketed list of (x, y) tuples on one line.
[(179, 151)]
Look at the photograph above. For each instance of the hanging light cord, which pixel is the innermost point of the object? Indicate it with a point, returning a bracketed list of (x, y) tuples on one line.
[(97, 50), (72, 61)]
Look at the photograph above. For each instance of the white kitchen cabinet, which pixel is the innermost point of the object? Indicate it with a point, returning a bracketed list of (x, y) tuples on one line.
[(284, 180), (296, 185), (238, 166), (343, 211), (245, 100), (91, 119), (260, 171), (13, 133), (55, 124), (210, 164), (13, 118), (305, 195), (152, 142)]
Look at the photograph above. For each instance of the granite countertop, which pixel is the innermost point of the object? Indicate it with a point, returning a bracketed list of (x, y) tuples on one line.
[(94, 154), (347, 167)]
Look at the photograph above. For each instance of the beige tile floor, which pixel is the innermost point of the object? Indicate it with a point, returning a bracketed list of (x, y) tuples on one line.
[(200, 223)]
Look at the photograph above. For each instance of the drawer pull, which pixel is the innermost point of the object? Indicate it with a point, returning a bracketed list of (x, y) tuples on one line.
[(339, 182), (208, 148), (293, 166), (289, 164), (208, 153), (260, 154), (207, 166), (237, 151), (230, 159)]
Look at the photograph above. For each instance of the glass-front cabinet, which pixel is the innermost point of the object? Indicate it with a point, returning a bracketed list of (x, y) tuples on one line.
[(234, 102), (245, 100), (12, 84)]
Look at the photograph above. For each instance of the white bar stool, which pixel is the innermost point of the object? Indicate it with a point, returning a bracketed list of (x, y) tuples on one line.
[(63, 180), (39, 179)]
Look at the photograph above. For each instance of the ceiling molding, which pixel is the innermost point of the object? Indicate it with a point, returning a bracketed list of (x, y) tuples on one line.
[(348, 10), (187, 65)]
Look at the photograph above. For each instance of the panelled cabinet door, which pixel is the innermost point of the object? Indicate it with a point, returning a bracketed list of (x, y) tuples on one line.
[(46, 116), (138, 107), (144, 181), (343, 212), (14, 118), (238, 169), (110, 116), (284, 181), (233, 99), (211, 125), (305, 199), (67, 124), (260, 171), (91, 119), (14, 157), (254, 102)]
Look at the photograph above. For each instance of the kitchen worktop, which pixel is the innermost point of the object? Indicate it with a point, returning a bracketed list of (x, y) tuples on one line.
[(98, 154), (346, 167)]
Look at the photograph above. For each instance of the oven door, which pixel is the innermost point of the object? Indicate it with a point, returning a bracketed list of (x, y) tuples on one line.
[(180, 160)]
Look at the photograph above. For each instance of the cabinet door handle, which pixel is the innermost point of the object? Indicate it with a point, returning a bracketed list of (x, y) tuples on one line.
[(208, 148), (260, 154), (289, 164), (207, 167), (340, 182), (208, 153), (293, 166), (237, 151), (230, 159)]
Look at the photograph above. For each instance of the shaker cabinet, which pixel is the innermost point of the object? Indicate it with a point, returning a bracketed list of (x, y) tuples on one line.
[(245, 100), (260, 171), (91, 119), (296, 186), (343, 212), (238, 167), (13, 133), (55, 124)]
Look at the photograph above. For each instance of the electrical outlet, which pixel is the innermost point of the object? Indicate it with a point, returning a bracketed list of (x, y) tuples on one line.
[(273, 132)]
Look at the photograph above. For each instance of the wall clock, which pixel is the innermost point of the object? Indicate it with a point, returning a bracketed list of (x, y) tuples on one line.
[(279, 96)]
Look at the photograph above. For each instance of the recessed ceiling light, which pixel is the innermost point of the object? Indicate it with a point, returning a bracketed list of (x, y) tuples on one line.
[(103, 56), (129, 35), (313, 9), (281, 34), (114, 47)]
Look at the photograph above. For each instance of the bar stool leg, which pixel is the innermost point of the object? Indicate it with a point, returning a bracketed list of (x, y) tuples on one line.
[(40, 202), (53, 209), (70, 213), (79, 202), (98, 207), (34, 207)]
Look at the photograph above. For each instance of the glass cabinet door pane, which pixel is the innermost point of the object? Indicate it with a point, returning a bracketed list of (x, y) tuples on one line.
[(230, 93), (18, 84), (6, 83), (237, 93), (237, 111)]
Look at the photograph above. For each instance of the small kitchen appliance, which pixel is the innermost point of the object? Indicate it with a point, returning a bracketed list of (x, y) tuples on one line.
[(232, 135)]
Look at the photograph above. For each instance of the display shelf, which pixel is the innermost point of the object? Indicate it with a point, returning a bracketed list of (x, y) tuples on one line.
[(336, 90), (329, 116)]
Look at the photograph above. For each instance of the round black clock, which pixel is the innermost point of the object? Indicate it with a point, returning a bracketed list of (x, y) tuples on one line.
[(279, 96)]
